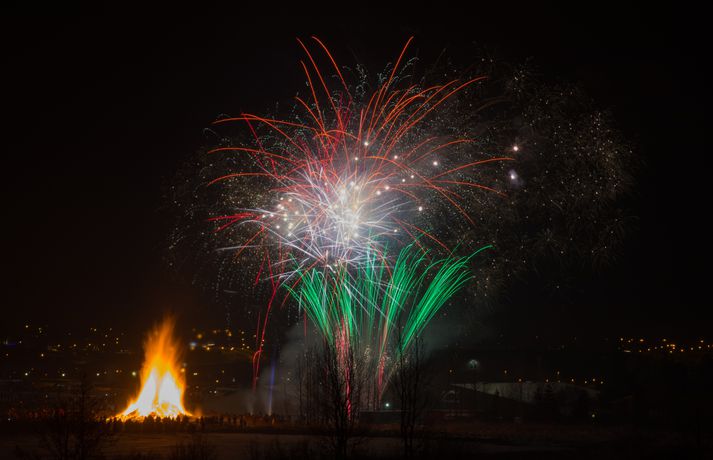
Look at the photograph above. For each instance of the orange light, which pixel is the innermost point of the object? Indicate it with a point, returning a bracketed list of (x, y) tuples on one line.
[(162, 378)]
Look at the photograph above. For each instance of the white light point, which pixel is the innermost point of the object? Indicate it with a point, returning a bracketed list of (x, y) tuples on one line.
[(420, 208), (515, 148), (435, 163)]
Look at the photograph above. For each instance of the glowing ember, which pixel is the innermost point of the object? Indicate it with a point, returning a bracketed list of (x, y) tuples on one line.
[(162, 385)]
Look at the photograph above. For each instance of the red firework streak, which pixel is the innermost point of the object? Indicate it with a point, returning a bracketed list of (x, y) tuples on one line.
[(347, 180)]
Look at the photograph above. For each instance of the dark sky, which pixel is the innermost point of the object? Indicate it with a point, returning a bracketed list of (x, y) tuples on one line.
[(99, 112)]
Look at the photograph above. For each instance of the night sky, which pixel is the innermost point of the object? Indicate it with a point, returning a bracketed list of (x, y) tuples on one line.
[(100, 112)]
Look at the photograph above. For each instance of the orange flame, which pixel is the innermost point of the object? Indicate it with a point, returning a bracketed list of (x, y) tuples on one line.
[(162, 384)]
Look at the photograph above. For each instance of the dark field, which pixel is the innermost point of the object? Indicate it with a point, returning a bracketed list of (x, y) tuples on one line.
[(466, 440)]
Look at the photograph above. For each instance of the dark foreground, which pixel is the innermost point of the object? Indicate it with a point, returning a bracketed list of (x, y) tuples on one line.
[(524, 442), (255, 446)]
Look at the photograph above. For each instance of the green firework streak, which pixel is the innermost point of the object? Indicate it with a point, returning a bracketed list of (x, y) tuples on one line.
[(379, 306)]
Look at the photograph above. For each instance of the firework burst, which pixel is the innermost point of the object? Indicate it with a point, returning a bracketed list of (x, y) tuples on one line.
[(362, 168), (350, 174)]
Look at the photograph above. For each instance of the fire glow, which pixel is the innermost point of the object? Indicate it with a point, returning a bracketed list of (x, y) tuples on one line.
[(162, 383)]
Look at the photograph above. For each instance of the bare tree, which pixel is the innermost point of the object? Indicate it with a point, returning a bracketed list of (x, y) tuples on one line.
[(75, 430), (307, 385), (300, 380), (410, 381), (340, 394)]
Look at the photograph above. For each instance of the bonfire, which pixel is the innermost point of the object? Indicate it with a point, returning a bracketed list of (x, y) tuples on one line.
[(162, 382)]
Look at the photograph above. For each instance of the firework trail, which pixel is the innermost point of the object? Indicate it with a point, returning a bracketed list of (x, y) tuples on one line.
[(350, 179), (318, 198), (367, 310)]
